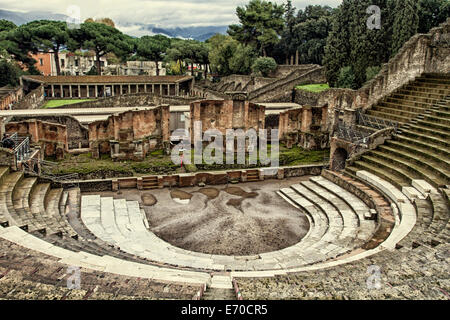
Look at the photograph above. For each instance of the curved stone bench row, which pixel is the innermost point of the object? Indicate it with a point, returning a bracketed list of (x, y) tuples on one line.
[(404, 224), (104, 263), (36, 208), (43, 277), (412, 274), (333, 233)]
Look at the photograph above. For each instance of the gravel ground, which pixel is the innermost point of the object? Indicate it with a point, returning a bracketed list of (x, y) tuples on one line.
[(239, 219)]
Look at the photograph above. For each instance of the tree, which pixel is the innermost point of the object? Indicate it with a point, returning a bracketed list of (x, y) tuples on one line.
[(243, 59), (101, 39), (9, 73), (337, 49), (6, 25), (264, 66), (432, 13), (346, 78), (18, 43), (222, 49), (152, 48), (406, 23), (261, 24), (49, 36)]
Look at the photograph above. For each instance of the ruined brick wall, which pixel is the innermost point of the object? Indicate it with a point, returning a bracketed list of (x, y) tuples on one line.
[(151, 127), (7, 158), (78, 134), (227, 114), (305, 126), (33, 100), (51, 137), (11, 97)]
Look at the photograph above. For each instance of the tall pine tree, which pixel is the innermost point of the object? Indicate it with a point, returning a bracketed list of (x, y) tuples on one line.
[(406, 23)]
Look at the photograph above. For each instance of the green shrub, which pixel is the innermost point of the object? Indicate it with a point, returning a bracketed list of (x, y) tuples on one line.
[(347, 78), (264, 66), (372, 72)]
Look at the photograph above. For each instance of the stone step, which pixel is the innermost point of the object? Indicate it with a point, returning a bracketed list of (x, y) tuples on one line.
[(335, 233), (403, 95), (423, 94), (7, 212), (425, 138), (419, 128), (388, 116), (393, 177), (432, 147), (416, 161), (21, 204), (436, 176)]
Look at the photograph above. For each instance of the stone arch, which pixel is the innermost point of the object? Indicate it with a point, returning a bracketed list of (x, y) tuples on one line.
[(338, 160)]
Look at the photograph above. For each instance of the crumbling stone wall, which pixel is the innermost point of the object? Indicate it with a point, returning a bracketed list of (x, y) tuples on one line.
[(78, 134), (131, 134), (227, 114), (51, 137), (306, 126), (33, 100)]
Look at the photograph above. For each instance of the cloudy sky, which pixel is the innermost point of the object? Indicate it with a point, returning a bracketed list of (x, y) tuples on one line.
[(164, 13)]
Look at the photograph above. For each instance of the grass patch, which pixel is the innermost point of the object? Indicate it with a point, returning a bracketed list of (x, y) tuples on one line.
[(158, 163), (314, 87), (59, 103)]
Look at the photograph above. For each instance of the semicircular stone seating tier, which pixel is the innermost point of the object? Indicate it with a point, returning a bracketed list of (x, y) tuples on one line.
[(32, 215), (337, 220)]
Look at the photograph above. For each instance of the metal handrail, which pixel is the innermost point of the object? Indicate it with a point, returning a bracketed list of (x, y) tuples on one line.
[(376, 123)]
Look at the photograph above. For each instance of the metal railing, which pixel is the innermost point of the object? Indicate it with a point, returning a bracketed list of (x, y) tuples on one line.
[(45, 169), (376, 123), (349, 134)]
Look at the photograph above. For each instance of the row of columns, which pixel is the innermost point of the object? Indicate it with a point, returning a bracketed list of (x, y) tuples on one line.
[(113, 89)]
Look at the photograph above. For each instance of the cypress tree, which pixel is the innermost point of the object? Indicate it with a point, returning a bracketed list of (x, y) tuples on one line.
[(406, 23)]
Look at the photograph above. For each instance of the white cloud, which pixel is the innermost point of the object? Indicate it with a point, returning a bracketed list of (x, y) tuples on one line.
[(164, 13)]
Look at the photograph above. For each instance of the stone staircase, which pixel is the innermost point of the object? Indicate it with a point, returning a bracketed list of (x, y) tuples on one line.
[(150, 183), (421, 147)]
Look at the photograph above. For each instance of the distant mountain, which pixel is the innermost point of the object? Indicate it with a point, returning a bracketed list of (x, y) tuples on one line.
[(24, 17), (200, 33), (197, 33)]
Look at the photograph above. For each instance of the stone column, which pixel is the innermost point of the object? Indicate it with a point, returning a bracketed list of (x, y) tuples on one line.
[(160, 89), (306, 119), (121, 90), (87, 90), (168, 89), (53, 91), (129, 89), (62, 92), (177, 89), (137, 88), (153, 88), (79, 91), (104, 90), (96, 91), (113, 92), (70, 91), (145, 87)]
